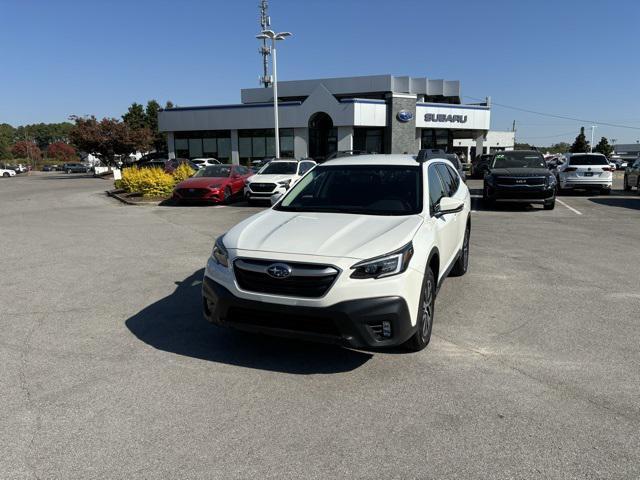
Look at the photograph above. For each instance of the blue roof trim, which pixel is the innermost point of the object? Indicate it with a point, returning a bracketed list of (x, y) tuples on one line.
[(449, 105), (227, 107), (363, 100)]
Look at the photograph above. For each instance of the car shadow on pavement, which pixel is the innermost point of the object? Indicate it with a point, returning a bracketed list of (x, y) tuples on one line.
[(175, 324), (622, 202)]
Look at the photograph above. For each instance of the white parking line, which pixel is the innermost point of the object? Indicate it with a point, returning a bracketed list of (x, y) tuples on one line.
[(568, 206)]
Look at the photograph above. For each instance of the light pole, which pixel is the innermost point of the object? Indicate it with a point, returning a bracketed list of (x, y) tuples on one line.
[(593, 127), (274, 37)]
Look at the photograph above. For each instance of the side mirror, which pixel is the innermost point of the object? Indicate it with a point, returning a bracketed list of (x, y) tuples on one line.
[(449, 205), (275, 198)]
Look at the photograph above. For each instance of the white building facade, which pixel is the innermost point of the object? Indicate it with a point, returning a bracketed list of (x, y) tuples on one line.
[(381, 114)]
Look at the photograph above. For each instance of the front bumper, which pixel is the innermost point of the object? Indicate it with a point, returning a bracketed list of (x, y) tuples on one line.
[(213, 196), (353, 323), (521, 194)]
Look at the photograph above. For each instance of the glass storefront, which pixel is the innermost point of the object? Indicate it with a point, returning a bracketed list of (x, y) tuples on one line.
[(438, 138), (214, 143), (369, 139), (259, 144)]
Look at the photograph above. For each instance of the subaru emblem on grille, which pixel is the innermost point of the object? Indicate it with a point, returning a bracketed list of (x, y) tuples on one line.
[(279, 270)]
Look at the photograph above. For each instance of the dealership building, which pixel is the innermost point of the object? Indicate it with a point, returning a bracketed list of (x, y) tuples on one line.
[(381, 114)]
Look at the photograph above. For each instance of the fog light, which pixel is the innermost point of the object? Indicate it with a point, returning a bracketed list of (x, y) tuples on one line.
[(386, 329)]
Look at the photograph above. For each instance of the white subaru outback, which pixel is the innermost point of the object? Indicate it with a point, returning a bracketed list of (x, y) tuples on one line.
[(353, 254)]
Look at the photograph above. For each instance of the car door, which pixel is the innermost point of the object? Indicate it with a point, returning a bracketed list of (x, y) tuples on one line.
[(634, 173), (236, 179), (445, 225)]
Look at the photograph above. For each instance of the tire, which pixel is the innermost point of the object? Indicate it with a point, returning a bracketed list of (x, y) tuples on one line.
[(627, 187), (605, 191), (551, 205), (485, 197), (462, 263), (422, 336), (227, 195), (69, 172), (5, 174)]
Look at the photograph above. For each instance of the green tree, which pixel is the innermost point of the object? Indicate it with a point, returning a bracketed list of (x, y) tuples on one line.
[(7, 134), (603, 147), (135, 117), (580, 145), (151, 115)]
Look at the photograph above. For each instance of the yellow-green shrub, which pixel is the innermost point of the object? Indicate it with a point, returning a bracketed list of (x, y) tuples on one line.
[(183, 172), (150, 182)]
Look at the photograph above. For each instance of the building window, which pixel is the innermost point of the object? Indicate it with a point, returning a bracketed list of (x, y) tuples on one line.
[(368, 139), (206, 143), (259, 144), (437, 138)]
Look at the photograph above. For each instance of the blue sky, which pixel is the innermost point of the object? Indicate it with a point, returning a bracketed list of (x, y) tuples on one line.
[(574, 58)]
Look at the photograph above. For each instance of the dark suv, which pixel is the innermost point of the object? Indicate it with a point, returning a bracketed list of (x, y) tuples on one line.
[(519, 176), (632, 175)]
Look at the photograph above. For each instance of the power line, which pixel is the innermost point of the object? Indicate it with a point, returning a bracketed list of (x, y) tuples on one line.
[(551, 136), (564, 117)]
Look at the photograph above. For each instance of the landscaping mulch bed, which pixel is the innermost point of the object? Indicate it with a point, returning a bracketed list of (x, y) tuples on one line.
[(137, 198)]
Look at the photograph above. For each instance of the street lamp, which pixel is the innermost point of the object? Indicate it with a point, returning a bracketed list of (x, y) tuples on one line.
[(271, 35)]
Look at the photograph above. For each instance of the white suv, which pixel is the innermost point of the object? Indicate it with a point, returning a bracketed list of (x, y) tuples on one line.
[(275, 177), (353, 254), (585, 170)]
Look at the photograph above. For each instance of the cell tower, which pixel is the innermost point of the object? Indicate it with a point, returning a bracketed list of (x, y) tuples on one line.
[(265, 50)]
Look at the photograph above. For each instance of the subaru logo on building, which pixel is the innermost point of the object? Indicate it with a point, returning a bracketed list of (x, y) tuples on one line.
[(279, 270), (404, 116)]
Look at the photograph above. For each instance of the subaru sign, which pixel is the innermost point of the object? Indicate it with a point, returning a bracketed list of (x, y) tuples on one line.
[(404, 116), (441, 118)]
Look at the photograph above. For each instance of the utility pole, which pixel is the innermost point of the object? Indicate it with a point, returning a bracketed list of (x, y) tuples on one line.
[(513, 129), (593, 128), (265, 51)]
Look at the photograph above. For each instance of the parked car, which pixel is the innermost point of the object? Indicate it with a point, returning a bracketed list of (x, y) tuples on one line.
[(20, 168), (353, 254), (276, 176), (205, 162), (452, 157), (585, 170), (7, 172), (50, 168), (157, 163), (480, 165), (171, 164), (519, 176), (619, 163), (632, 176), (76, 168), (213, 184), (347, 153)]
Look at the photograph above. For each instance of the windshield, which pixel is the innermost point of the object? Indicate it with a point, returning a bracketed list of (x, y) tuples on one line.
[(361, 189), (221, 171), (280, 168), (587, 160), (518, 160)]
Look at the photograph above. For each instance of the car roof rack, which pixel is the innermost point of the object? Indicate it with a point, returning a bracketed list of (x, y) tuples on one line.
[(429, 153)]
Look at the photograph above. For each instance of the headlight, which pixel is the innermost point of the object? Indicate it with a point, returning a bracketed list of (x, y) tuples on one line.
[(246, 183), (219, 253), (285, 183), (551, 180), (384, 266)]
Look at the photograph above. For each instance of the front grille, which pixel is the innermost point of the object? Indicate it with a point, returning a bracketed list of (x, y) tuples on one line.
[(529, 181), (262, 187), (305, 280), (193, 192), (300, 323)]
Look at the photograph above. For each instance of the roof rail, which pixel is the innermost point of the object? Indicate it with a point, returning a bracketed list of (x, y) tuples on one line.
[(428, 153)]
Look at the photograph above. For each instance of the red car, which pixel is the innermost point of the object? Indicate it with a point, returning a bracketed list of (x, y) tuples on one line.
[(213, 184)]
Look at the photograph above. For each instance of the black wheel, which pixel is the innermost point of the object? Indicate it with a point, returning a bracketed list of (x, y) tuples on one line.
[(68, 172), (227, 195), (421, 338), (462, 264), (627, 187), (550, 205), (5, 174), (605, 191)]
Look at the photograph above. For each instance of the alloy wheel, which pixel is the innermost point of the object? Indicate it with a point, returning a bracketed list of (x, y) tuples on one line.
[(427, 309)]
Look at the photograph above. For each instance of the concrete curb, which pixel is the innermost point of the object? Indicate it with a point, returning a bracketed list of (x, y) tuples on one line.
[(116, 194)]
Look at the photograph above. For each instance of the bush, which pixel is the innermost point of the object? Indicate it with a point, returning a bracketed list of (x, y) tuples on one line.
[(150, 182), (183, 172)]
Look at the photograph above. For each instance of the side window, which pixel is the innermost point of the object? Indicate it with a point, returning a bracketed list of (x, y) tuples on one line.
[(241, 170), (448, 181), (436, 189), (456, 179), (305, 167)]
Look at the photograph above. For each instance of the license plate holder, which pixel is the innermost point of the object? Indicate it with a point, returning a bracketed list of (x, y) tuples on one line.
[(588, 174)]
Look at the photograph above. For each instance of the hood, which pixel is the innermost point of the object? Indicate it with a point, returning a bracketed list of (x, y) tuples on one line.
[(520, 172), (202, 182), (271, 178), (324, 234)]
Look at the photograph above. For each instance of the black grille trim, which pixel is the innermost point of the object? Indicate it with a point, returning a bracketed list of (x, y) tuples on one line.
[(262, 187), (517, 181), (283, 321), (307, 280), (197, 192)]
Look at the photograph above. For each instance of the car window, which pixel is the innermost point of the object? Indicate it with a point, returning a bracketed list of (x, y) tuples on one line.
[(305, 167), (242, 170), (436, 189), (587, 160), (280, 168), (456, 179), (450, 186)]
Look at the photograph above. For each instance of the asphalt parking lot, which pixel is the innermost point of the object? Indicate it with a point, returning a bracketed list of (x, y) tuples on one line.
[(109, 371)]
